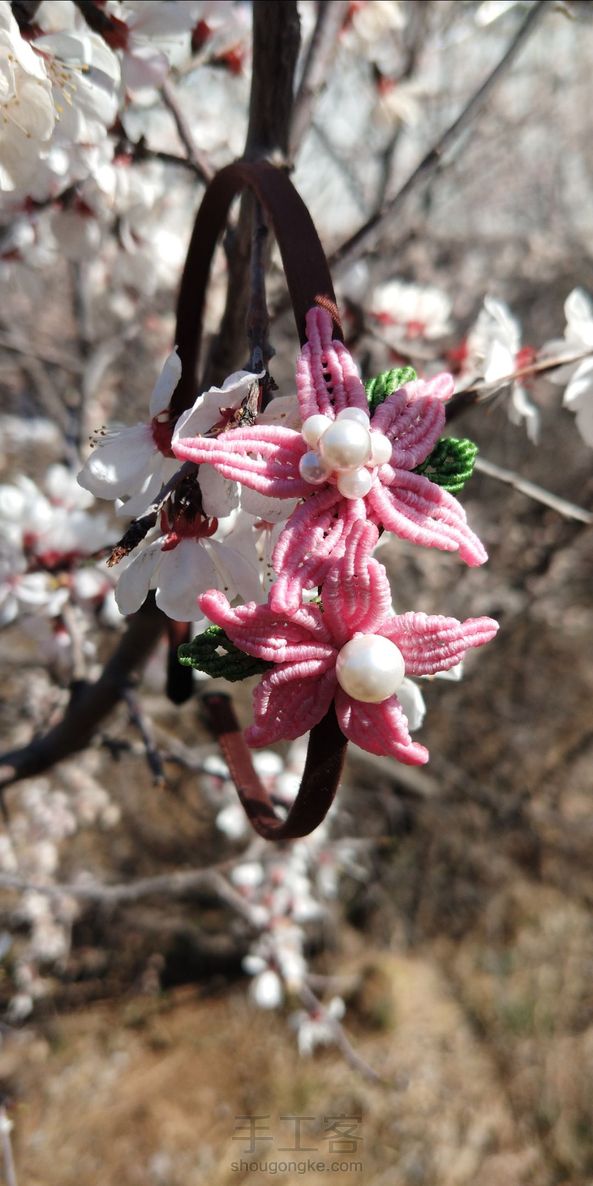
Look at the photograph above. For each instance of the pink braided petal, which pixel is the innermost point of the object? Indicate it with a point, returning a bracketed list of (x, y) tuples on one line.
[(379, 728), (315, 536), (416, 509), (431, 643), (264, 457), (413, 426), (266, 635), (291, 700), (326, 375), (356, 593)]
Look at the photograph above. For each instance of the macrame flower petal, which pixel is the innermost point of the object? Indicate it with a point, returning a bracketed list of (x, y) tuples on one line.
[(264, 457), (379, 728), (291, 699), (326, 374), (414, 508), (430, 643), (315, 537), (412, 423), (258, 631), (356, 594)]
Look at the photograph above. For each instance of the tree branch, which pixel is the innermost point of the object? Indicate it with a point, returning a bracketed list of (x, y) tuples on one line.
[(367, 234), (196, 158), (331, 15), (538, 493), (89, 704)]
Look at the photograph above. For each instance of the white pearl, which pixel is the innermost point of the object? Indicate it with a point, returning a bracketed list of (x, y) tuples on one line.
[(314, 427), (370, 668), (345, 445), (356, 483), (313, 469), (381, 448), (354, 414)]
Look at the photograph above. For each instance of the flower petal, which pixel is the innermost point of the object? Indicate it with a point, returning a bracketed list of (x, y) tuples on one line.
[(379, 728), (314, 538), (416, 509), (290, 700), (165, 384), (207, 410), (135, 580), (356, 593), (119, 462), (266, 635), (184, 572), (265, 458), (326, 374), (430, 643), (236, 575), (220, 496), (413, 420)]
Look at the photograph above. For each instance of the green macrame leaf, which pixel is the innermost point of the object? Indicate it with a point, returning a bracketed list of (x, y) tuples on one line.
[(451, 463), (204, 653), (379, 388)]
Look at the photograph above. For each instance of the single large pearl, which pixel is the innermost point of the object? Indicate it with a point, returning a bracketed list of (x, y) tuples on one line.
[(346, 445), (313, 469), (370, 668), (381, 448), (314, 427), (355, 483), (357, 414)]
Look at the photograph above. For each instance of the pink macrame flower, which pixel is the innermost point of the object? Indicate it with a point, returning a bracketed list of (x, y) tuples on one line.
[(266, 457), (307, 647)]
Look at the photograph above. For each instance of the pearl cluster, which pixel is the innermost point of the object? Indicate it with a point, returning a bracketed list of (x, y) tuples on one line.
[(345, 448), (370, 668)]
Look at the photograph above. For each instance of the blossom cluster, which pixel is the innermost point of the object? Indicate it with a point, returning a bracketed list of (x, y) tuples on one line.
[(50, 539)]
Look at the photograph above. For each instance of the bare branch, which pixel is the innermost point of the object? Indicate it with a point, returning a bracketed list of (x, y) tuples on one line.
[(331, 15), (195, 156), (538, 493), (89, 704), (141, 722), (314, 1005), (173, 885), (367, 234)]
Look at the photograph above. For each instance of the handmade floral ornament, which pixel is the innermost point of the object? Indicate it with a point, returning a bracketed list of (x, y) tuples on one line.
[(312, 655), (270, 459)]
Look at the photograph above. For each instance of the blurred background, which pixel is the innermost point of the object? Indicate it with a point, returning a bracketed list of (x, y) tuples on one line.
[(419, 971)]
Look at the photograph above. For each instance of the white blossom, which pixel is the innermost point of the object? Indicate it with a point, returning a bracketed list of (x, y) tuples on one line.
[(576, 378)]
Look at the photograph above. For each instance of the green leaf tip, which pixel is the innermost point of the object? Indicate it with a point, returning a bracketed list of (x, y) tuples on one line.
[(213, 653), (451, 463), (382, 385)]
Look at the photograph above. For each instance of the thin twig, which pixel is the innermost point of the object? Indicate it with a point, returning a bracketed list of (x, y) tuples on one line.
[(480, 391), (79, 663), (331, 15), (354, 246), (538, 493), (314, 1005), (141, 722), (415, 37), (173, 885), (45, 355), (195, 156)]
